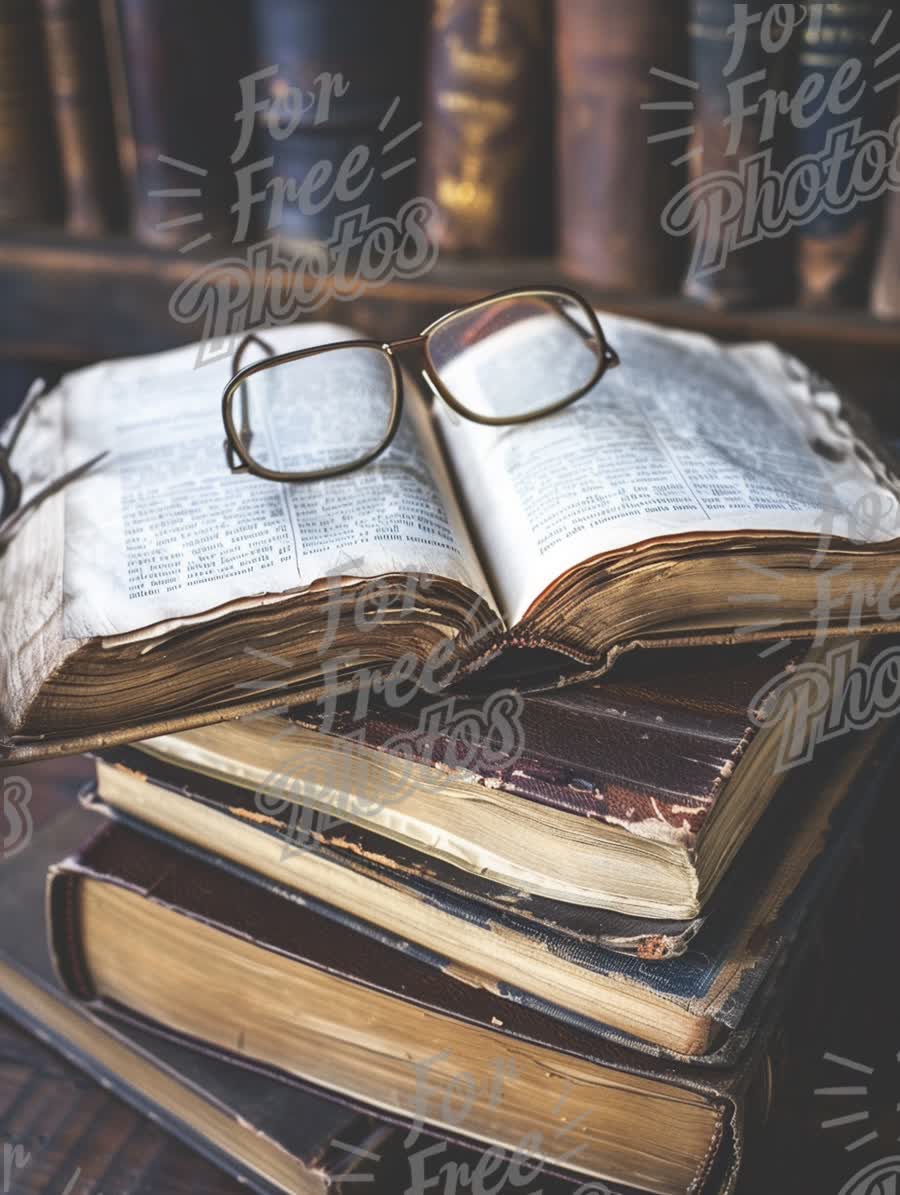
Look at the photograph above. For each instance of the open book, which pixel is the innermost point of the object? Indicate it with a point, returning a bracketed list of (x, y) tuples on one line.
[(697, 494)]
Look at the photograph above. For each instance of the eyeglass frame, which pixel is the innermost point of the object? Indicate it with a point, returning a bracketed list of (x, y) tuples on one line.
[(606, 359)]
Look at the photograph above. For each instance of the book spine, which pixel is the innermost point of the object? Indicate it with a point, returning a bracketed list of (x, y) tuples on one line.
[(80, 101), (835, 250), (885, 295), (489, 126), (28, 192), (343, 85), (179, 131), (733, 263), (614, 181), (372, 47)]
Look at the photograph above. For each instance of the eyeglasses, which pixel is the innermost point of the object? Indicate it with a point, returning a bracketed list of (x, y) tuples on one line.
[(13, 511), (322, 412)]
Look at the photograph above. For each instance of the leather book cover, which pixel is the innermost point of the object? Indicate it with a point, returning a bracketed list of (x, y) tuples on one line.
[(726, 135), (728, 959), (175, 118), (301, 156), (615, 175), (80, 97), (470, 896), (650, 747), (488, 126), (28, 167), (836, 249)]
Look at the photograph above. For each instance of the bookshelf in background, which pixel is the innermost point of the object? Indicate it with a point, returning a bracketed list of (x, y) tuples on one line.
[(590, 63)]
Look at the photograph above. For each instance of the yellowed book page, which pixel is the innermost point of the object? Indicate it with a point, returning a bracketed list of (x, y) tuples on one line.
[(161, 532), (685, 436)]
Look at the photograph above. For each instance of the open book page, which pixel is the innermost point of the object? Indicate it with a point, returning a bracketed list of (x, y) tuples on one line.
[(162, 533), (685, 436)]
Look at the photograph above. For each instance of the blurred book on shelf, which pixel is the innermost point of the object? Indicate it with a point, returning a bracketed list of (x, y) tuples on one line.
[(488, 121), (339, 87), (726, 132), (29, 191), (885, 296), (616, 101), (79, 93), (840, 57), (175, 121)]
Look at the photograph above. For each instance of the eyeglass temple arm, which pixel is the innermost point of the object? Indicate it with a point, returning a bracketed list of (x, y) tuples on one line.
[(246, 435), (610, 356), (10, 525), (35, 390), (12, 486)]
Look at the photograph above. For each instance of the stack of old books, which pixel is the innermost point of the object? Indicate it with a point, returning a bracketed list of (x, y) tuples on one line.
[(538, 928)]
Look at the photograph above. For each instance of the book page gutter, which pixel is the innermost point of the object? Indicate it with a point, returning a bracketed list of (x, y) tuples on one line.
[(683, 437), (161, 534)]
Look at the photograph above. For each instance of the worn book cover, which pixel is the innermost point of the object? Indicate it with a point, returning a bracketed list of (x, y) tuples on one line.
[(28, 165), (146, 914), (632, 794), (539, 953), (175, 121), (729, 138)]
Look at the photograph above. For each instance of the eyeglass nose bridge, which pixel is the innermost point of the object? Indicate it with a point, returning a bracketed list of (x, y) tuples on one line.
[(407, 343), (410, 342)]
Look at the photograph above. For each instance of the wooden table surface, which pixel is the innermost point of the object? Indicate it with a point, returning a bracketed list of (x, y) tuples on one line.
[(81, 1139)]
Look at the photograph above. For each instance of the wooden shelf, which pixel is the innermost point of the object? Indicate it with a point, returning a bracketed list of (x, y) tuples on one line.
[(71, 300)]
